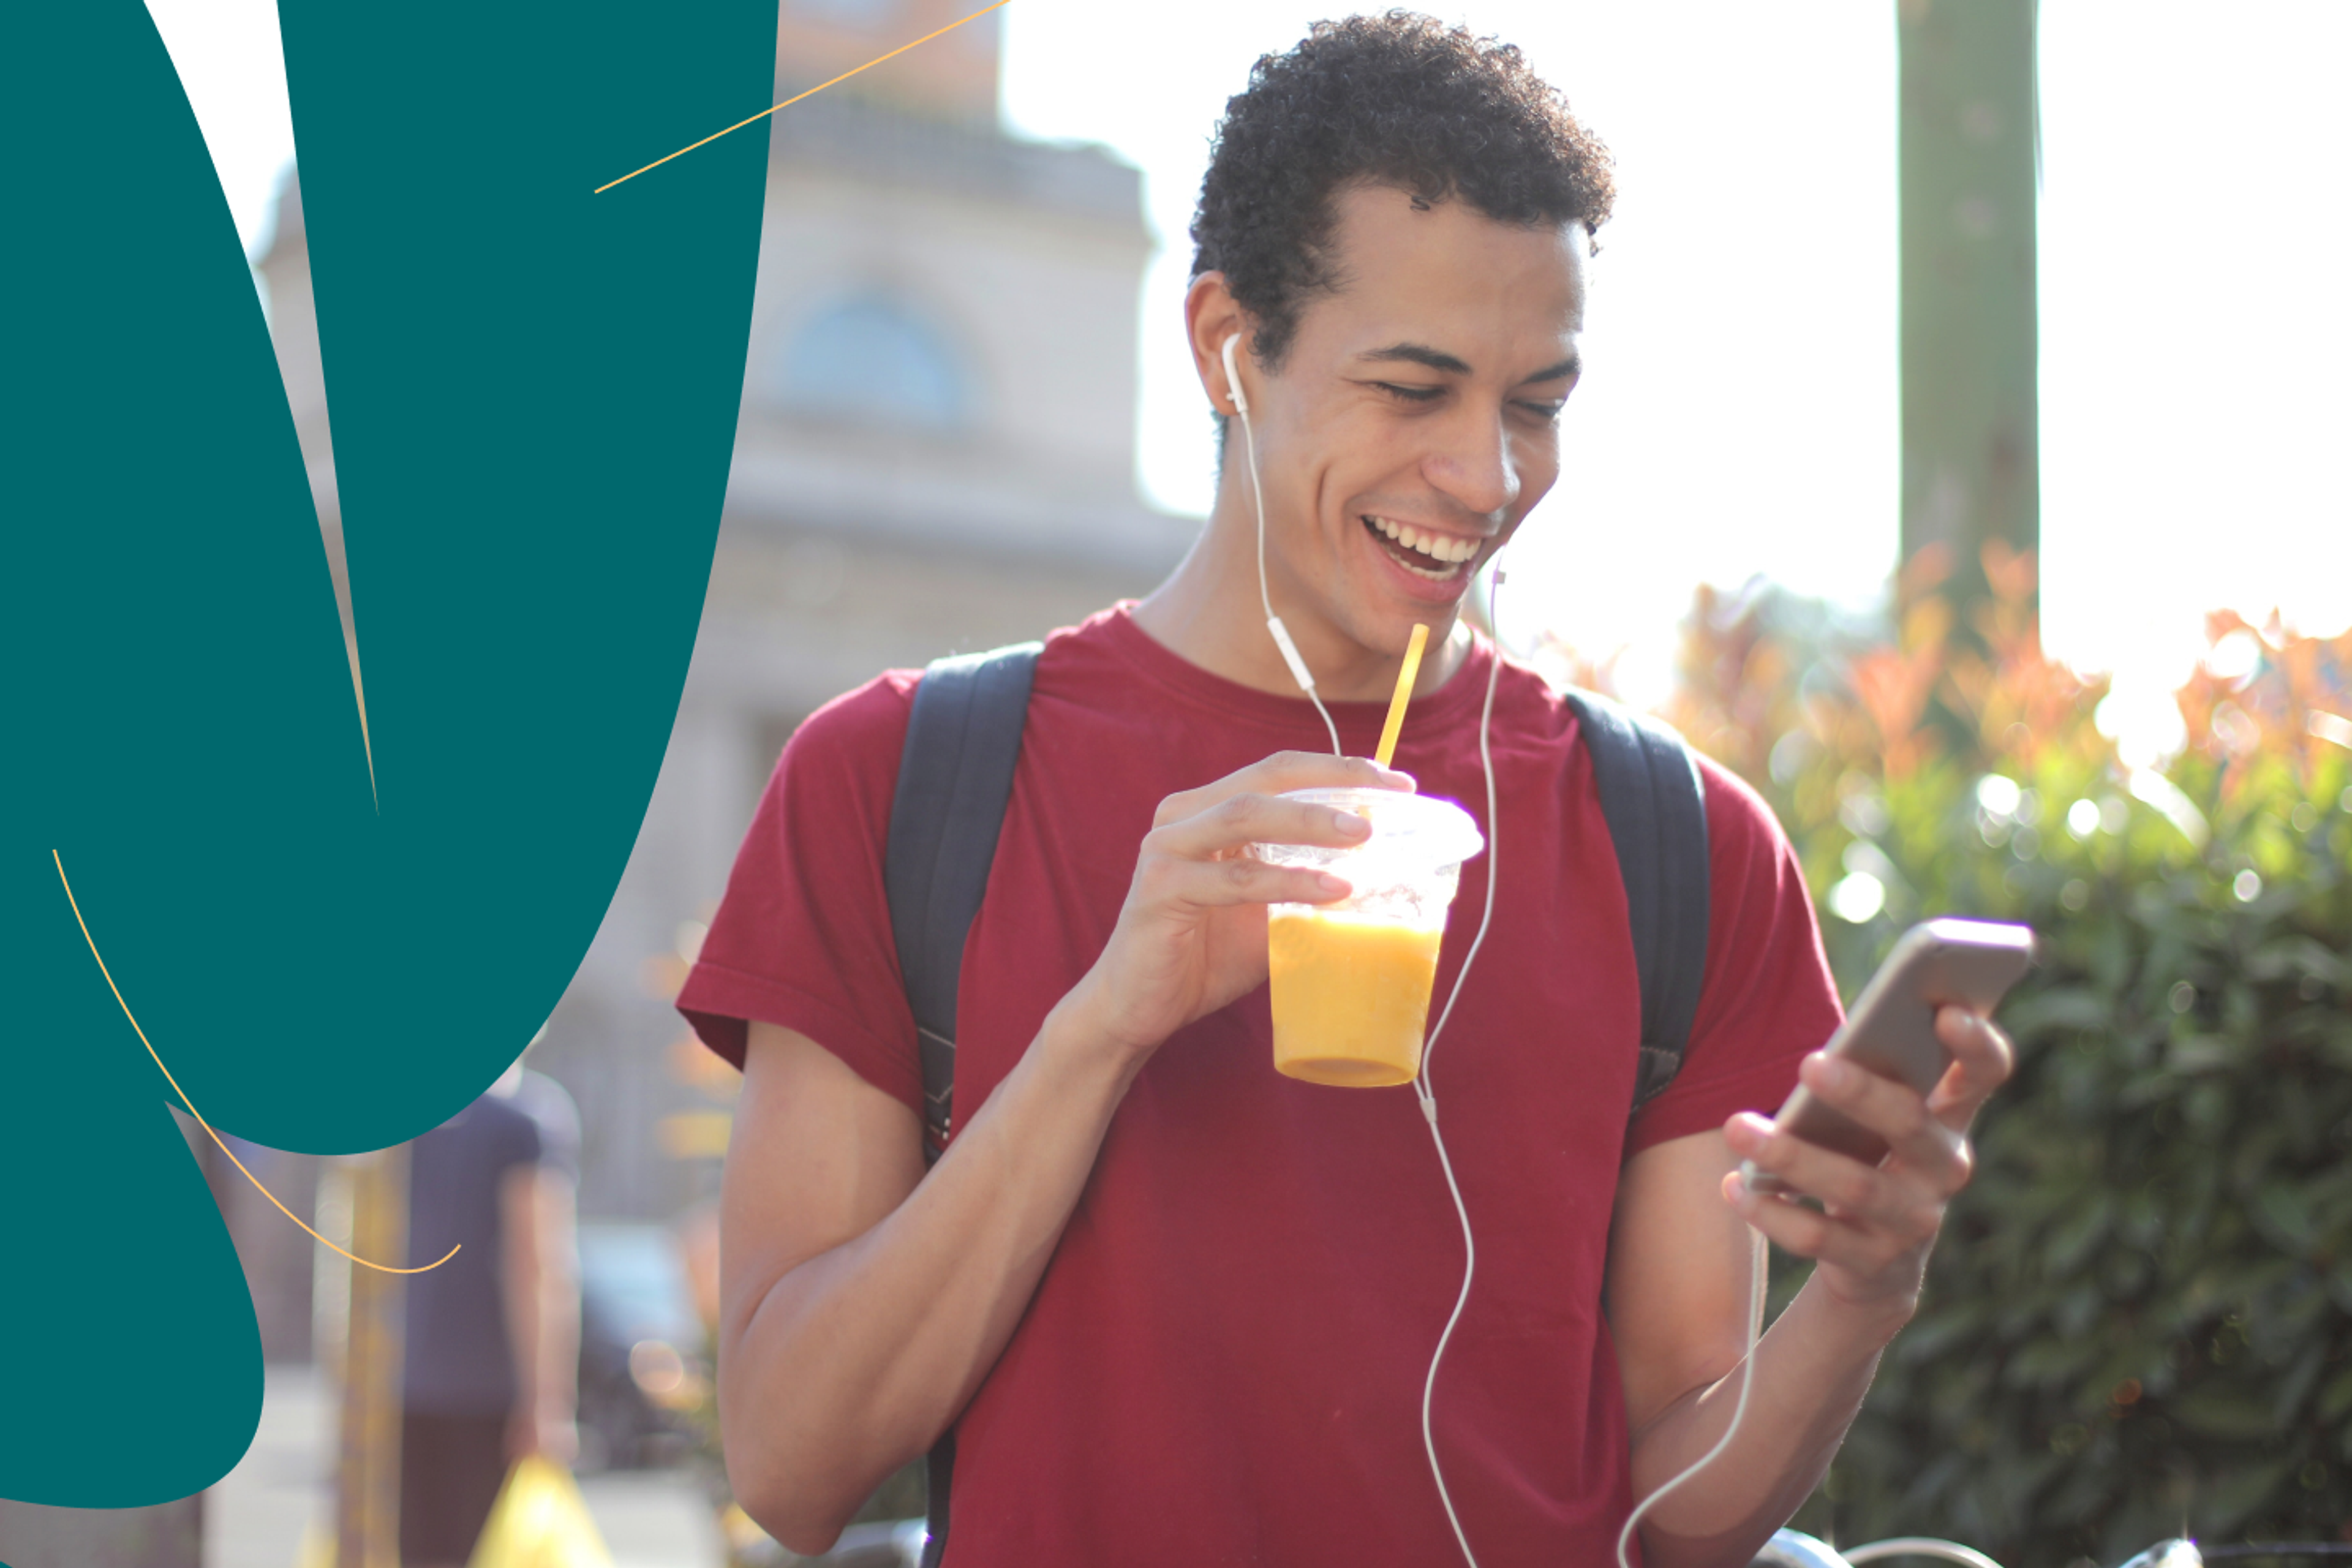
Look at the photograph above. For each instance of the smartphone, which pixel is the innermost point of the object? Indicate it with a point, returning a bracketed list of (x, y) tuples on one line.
[(1892, 1029)]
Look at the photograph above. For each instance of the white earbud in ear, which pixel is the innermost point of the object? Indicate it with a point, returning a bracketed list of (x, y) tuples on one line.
[(1291, 655)]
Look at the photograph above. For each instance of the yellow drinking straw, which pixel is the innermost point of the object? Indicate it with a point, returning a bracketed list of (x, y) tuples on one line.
[(1403, 695)]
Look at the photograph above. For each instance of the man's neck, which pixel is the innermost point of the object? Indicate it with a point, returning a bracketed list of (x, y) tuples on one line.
[(1209, 614)]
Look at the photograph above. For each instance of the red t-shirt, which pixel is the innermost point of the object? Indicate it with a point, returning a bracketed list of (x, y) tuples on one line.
[(1224, 1361)]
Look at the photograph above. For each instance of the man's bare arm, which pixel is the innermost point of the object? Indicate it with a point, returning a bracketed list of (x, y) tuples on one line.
[(539, 1293), (1680, 1261), (862, 1300), (1679, 1271)]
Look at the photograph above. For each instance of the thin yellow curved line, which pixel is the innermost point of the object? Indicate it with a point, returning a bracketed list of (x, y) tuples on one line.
[(207, 1126), (820, 87)]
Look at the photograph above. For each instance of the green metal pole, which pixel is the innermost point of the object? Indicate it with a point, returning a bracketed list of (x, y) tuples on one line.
[(1970, 162)]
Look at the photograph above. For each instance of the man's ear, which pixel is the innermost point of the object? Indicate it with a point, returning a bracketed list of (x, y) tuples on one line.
[(1212, 316)]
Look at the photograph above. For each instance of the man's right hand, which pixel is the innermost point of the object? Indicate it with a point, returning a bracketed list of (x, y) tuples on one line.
[(1191, 936)]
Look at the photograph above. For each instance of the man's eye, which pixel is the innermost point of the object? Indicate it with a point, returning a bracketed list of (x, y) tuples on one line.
[(1411, 393), (1545, 410)]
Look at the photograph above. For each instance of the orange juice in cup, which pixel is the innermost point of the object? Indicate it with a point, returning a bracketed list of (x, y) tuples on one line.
[(1351, 979), (1350, 994)]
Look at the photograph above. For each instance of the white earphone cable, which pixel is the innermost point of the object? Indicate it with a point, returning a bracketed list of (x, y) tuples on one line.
[(1738, 1408), (1424, 1094), (1427, 1096), (1290, 654)]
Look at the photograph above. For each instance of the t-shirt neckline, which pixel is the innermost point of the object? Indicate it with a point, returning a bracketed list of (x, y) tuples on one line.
[(1452, 703)]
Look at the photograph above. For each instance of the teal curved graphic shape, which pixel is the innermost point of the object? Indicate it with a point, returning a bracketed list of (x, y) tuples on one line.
[(533, 391)]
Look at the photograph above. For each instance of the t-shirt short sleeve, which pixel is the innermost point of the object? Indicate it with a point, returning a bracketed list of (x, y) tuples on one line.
[(530, 1144), (1768, 997), (500, 1133), (803, 937)]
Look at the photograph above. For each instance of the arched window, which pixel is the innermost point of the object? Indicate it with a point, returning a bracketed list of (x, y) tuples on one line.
[(869, 358)]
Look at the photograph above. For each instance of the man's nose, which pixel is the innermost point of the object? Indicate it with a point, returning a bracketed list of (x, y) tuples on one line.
[(1472, 462)]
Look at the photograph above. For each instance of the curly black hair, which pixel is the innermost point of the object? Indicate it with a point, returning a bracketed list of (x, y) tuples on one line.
[(1399, 99)]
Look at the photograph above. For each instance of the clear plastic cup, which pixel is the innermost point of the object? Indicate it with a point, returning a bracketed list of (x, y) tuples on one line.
[(1351, 979)]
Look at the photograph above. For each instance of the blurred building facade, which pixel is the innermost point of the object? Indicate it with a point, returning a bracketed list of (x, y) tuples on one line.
[(935, 453)]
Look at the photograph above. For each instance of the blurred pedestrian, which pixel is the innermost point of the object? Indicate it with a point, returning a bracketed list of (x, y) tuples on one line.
[(491, 1369)]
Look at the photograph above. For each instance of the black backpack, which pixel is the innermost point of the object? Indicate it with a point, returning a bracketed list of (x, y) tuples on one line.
[(955, 776)]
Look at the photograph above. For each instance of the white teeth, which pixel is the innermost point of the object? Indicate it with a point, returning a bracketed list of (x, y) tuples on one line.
[(1436, 546)]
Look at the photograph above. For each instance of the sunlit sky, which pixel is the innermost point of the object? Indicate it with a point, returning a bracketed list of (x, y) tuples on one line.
[(1739, 410)]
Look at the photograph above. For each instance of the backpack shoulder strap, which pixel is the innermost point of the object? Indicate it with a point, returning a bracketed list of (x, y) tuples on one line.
[(955, 775), (1656, 805), (955, 778)]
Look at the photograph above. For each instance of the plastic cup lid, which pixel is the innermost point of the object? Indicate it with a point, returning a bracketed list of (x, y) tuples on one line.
[(1419, 828)]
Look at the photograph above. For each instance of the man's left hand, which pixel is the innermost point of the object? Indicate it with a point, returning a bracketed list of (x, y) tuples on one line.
[(1877, 1224)]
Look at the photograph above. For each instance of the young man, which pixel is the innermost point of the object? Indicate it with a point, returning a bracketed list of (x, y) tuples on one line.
[(1178, 1309)]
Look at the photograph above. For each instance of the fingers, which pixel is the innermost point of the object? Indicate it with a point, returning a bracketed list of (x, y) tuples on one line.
[(1163, 880), (1281, 772), (1886, 1195), (1918, 1140), (1878, 1270), (1875, 1224), (1241, 820), (1794, 1229), (1983, 1060), (1318, 770)]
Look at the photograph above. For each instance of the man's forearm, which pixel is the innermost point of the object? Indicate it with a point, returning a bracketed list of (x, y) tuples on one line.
[(558, 1391), (1812, 1371), (518, 1284), (854, 1361)]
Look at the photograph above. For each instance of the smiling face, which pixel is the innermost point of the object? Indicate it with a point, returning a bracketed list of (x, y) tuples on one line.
[(1413, 420)]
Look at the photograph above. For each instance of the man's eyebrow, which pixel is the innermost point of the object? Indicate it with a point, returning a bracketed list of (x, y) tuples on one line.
[(1417, 354), (1439, 359)]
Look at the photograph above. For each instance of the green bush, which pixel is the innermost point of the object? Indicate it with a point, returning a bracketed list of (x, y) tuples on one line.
[(2138, 1322)]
